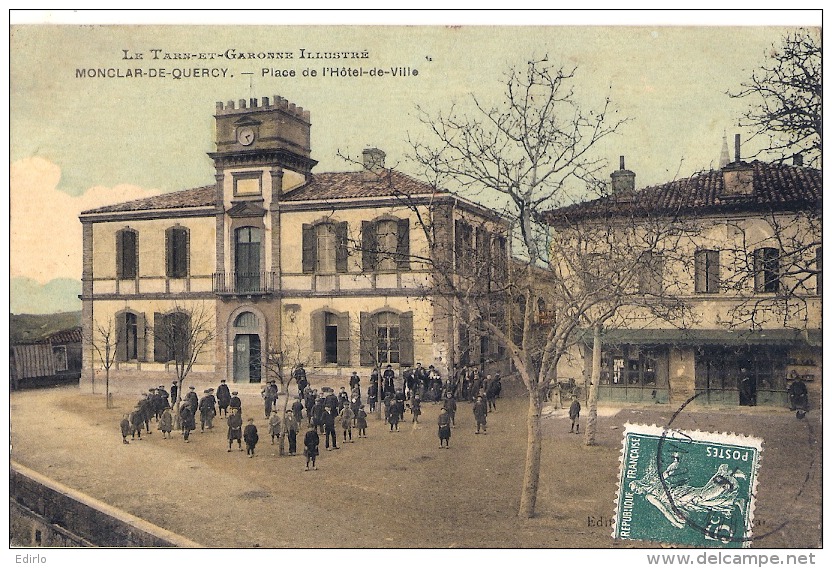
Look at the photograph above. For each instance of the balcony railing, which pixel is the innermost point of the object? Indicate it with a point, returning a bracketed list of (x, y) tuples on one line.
[(244, 283)]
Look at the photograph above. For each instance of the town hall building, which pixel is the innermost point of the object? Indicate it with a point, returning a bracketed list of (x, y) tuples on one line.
[(340, 271)]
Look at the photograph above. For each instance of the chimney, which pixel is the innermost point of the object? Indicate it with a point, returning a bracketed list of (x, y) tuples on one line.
[(724, 155), (373, 159), (623, 180), (737, 177), (373, 165)]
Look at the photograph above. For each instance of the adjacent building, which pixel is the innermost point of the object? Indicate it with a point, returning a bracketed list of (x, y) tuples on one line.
[(340, 271), (750, 272)]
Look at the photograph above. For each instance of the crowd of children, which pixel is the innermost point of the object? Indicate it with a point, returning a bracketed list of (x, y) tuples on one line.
[(325, 412)]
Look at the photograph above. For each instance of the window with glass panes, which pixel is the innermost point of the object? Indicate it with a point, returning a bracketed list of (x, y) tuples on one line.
[(387, 333)]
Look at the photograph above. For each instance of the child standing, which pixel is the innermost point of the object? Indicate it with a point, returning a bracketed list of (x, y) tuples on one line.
[(125, 428), (574, 415), (166, 422), (274, 426), (310, 445), (250, 437), (416, 408), (346, 417), (444, 423), (361, 422)]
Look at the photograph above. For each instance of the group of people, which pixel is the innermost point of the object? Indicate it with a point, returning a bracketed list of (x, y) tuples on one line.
[(325, 412)]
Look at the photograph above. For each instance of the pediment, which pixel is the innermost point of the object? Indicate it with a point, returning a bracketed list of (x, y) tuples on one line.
[(246, 209), (247, 121)]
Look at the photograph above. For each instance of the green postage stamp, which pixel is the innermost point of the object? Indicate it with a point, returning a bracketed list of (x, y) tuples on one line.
[(688, 488)]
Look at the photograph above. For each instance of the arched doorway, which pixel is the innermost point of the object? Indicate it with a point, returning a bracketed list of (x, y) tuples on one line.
[(247, 349)]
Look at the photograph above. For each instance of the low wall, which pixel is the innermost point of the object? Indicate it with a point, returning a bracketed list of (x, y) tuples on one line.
[(43, 512)]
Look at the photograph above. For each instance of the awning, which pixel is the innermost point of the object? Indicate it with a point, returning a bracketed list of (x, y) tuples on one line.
[(696, 337)]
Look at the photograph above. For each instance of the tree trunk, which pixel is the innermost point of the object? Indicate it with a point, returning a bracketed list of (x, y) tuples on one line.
[(107, 387), (594, 379), (534, 445), (281, 448)]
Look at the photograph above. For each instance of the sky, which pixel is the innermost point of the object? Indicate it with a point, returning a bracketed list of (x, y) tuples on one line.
[(78, 142)]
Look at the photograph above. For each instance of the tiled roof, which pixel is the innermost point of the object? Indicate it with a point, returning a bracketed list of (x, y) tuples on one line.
[(777, 187), (325, 186), (345, 185), (63, 337), (197, 197)]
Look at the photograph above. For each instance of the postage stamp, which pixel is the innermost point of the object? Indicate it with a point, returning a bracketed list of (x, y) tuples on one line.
[(689, 488)]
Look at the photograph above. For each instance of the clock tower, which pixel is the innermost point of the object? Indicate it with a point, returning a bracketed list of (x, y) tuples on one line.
[(262, 150)]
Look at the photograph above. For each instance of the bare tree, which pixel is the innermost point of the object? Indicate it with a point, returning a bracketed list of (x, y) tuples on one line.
[(786, 97), (105, 340), (528, 154), (181, 336), (280, 366)]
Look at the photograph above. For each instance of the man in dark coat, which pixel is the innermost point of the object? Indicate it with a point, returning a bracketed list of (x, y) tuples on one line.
[(372, 396), (389, 380), (310, 396), (300, 378), (450, 407), (207, 410), (297, 409), (574, 415), (491, 393), (174, 391), (164, 395), (223, 398), (269, 398), (193, 401), (235, 429), (332, 401), (235, 402), (316, 413), (328, 422), (136, 421), (186, 416), (250, 437), (311, 441), (480, 413)]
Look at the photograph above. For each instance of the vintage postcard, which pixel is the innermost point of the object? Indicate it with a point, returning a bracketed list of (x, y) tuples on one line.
[(327, 283)]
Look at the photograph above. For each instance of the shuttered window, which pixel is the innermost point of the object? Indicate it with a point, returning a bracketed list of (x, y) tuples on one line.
[(127, 254), (766, 270), (706, 271), (176, 252)]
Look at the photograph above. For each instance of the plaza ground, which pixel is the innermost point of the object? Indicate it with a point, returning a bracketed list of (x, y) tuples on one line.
[(396, 490)]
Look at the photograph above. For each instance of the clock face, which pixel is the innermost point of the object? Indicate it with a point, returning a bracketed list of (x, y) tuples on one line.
[(245, 135)]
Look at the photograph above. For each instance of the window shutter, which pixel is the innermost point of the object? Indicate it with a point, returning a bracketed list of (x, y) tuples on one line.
[(120, 254), (121, 336), (341, 247), (317, 323), (169, 263), (344, 339), (141, 334), (186, 252), (130, 262), (160, 344), (368, 246), (458, 244), (403, 245), (700, 271), (757, 266), (713, 271), (368, 341), (308, 248), (819, 271), (406, 338)]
